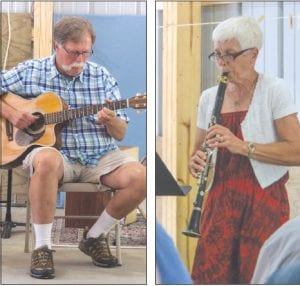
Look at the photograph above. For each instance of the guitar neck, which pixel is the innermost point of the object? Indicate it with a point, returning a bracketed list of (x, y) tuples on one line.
[(68, 114)]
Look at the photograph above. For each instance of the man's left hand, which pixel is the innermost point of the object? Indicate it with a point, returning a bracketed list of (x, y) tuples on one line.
[(105, 116)]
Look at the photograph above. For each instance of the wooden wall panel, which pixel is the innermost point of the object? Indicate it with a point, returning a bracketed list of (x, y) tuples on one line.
[(181, 89), (42, 33), (188, 91)]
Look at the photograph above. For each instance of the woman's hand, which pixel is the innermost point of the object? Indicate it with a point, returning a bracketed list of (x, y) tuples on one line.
[(197, 163), (221, 137)]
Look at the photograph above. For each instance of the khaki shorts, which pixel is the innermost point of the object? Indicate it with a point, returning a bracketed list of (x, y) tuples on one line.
[(79, 173)]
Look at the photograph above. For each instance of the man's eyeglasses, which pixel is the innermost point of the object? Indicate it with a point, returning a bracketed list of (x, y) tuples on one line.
[(76, 54), (228, 57)]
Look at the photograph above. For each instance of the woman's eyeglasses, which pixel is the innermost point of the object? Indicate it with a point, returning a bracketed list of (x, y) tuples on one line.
[(228, 57)]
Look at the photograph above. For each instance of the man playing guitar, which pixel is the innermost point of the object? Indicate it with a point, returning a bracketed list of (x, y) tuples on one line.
[(88, 150)]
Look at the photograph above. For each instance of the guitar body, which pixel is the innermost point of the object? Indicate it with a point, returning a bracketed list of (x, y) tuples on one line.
[(14, 149)]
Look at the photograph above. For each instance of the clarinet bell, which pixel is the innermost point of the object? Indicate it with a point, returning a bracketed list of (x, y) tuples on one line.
[(194, 225)]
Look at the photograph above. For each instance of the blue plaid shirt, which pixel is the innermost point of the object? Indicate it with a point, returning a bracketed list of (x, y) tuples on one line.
[(83, 140)]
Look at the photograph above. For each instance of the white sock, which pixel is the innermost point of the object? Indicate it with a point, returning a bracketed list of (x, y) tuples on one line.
[(42, 234), (103, 225)]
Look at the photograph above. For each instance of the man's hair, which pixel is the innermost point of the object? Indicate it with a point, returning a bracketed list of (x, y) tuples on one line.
[(245, 30), (72, 28)]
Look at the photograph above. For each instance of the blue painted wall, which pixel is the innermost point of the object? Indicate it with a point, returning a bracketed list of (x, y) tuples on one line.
[(121, 47)]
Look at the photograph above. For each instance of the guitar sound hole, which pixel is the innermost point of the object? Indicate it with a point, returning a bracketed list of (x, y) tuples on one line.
[(38, 125)]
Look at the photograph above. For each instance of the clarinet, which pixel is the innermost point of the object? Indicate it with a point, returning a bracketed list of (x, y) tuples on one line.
[(193, 229)]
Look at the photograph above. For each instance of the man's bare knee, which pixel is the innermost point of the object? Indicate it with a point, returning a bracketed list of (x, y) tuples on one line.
[(47, 162), (136, 176)]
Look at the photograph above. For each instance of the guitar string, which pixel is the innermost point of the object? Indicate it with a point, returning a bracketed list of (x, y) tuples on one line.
[(67, 114)]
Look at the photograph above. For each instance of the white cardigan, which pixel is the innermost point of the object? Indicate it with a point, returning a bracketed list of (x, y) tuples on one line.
[(271, 100)]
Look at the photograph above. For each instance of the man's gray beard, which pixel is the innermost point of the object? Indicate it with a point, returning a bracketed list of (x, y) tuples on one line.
[(68, 68)]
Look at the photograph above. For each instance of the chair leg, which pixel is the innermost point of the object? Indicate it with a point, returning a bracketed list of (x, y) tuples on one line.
[(117, 237), (27, 226), (118, 242)]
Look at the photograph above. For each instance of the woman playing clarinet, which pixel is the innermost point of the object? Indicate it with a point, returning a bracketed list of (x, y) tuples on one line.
[(257, 137)]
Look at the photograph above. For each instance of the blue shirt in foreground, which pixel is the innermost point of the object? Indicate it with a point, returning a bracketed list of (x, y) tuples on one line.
[(170, 267)]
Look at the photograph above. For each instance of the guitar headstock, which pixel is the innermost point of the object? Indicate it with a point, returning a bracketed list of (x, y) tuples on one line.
[(138, 102)]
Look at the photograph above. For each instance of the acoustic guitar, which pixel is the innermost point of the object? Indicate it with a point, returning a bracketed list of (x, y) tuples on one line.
[(52, 113)]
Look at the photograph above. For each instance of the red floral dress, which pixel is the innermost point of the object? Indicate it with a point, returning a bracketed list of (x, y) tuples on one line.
[(238, 217)]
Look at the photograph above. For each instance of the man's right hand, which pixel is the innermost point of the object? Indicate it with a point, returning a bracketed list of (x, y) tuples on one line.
[(22, 119)]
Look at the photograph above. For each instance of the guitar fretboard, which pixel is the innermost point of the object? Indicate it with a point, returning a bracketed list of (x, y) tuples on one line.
[(68, 114)]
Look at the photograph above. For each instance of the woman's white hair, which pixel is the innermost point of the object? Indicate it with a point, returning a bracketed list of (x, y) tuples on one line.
[(245, 30)]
